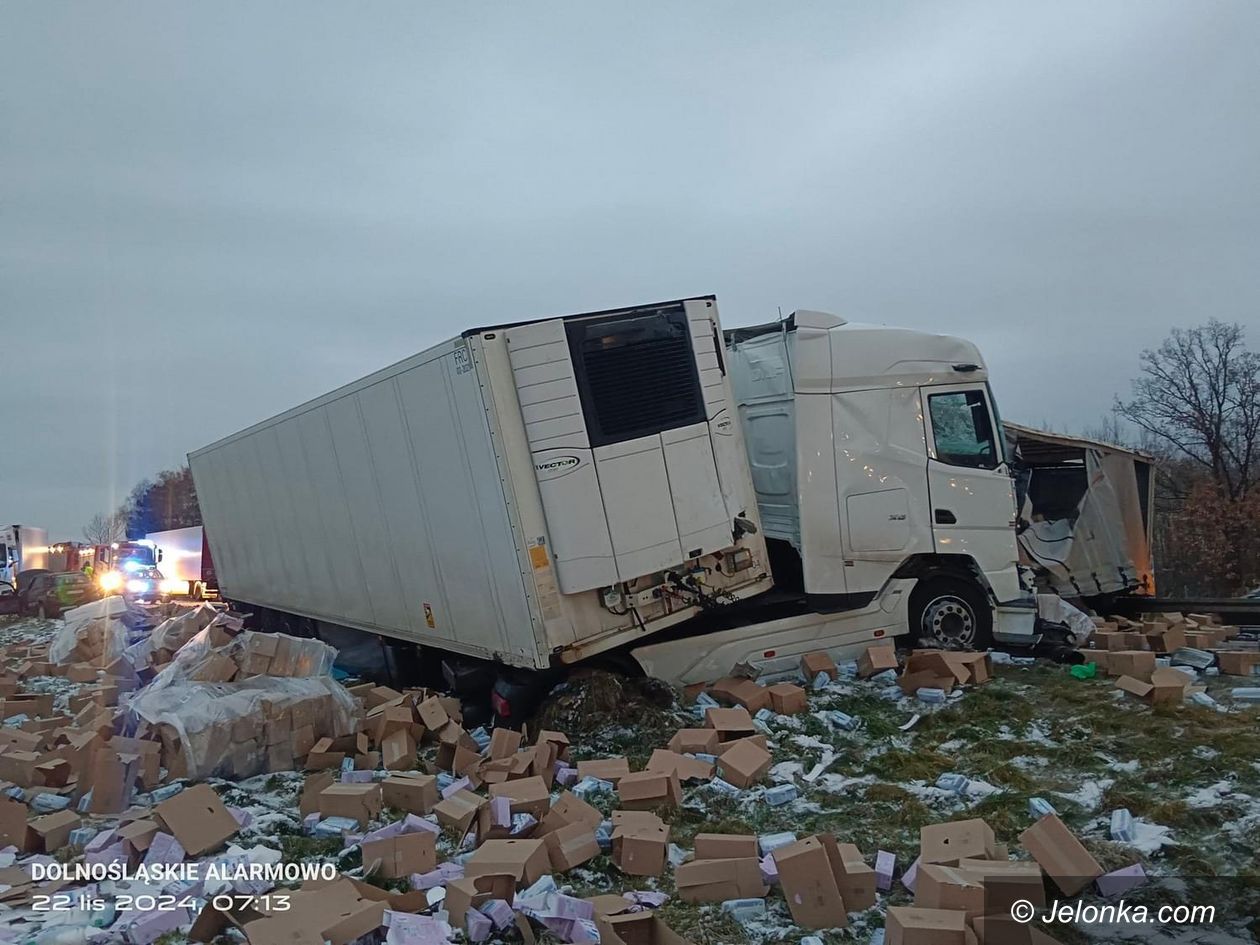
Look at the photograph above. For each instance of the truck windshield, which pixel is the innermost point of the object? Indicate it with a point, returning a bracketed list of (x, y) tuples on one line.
[(963, 430)]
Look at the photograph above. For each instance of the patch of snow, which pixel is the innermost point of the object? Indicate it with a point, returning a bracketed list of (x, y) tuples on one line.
[(839, 784), (1124, 767), (1212, 795), (1150, 837), (1089, 795), (786, 771), (978, 788)]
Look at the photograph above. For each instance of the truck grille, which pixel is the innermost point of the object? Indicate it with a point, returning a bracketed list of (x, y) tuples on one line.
[(636, 374)]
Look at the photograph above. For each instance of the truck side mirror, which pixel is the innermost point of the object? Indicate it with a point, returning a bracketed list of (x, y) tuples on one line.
[(159, 554)]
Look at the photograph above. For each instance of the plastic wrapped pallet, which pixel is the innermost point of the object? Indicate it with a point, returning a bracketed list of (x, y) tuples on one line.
[(211, 656), (240, 729), (171, 634), (97, 632)]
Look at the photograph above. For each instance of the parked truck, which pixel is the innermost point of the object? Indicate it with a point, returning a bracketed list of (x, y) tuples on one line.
[(186, 563), (542, 493), (22, 548)]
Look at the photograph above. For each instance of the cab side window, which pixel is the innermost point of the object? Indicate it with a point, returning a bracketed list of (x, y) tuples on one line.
[(962, 429)]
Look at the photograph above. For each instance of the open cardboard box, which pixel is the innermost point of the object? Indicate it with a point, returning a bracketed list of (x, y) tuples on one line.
[(472, 892), (525, 860), (695, 741), (358, 802), (527, 796), (606, 769), (636, 928), (687, 769), (731, 723)]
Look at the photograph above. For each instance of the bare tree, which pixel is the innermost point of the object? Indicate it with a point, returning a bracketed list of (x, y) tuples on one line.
[(1199, 394), (105, 528)]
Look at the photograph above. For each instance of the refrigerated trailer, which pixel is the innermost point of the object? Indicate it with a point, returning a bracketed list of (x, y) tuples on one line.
[(526, 493), (540, 493)]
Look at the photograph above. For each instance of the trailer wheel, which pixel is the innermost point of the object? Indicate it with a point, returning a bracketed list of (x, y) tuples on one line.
[(950, 613)]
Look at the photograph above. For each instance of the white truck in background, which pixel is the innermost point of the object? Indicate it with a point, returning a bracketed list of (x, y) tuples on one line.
[(186, 563), (22, 548), (537, 494)]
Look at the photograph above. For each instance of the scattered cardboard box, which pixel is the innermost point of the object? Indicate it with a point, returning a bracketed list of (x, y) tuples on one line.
[(950, 842), (1060, 854), (1136, 663), (744, 764), (198, 819), (526, 861), (877, 658), (687, 769), (718, 880), (645, 790), (733, 690), (358, 802), (809, 885), (414, 794), (570, 845), (911, 925), (400, 856), (788, 699), (606, 769), (640, 843), (818, 662), (695, 741)]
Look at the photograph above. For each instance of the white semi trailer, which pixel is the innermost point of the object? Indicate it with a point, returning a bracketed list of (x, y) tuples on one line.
[(542, 493), (22, 548)]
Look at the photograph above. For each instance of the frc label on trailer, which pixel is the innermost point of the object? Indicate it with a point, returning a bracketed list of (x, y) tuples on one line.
[(428, 616), (463, 360)]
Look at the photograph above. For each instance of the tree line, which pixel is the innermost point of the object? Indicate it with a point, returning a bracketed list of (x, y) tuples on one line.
[(168, 500)]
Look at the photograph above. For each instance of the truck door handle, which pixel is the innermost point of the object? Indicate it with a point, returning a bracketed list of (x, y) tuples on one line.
[(945, 517)]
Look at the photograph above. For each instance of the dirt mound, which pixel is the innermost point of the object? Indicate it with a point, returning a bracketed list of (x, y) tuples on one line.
[(592, 700)]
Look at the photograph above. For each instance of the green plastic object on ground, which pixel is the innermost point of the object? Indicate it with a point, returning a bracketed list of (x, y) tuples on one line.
[(1084, 670)]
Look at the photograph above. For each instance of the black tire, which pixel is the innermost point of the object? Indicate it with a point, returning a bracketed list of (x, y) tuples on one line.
[(950, 613)]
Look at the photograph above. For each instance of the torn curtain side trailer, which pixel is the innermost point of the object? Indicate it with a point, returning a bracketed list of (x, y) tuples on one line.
[(1086, 510), (541, 493)]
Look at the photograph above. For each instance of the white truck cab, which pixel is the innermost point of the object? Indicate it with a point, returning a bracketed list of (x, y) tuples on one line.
[(883, 490), (877, 453)]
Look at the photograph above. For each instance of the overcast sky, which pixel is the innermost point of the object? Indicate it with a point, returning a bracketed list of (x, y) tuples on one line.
[(210, 212)]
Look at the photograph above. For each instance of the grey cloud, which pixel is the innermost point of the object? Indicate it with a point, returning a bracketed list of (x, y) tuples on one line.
[(209, 213)]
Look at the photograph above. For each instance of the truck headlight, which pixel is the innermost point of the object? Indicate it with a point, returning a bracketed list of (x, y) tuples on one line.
[(111, 581)]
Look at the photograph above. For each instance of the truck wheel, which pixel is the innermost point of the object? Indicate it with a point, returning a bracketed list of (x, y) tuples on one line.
[(950, 614)]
